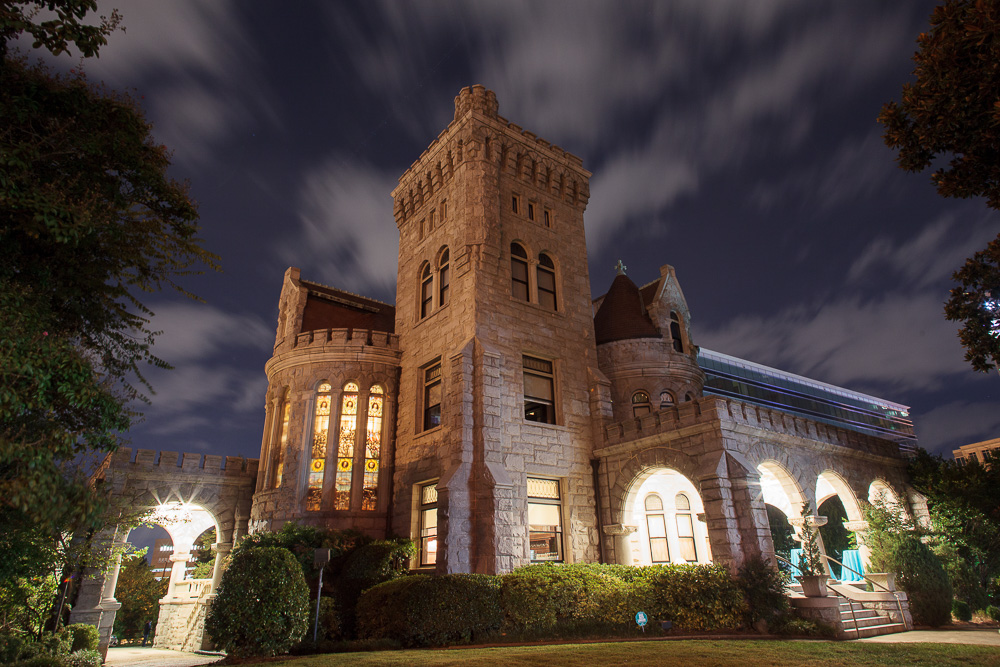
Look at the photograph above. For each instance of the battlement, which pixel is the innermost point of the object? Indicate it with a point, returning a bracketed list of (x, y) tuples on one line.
[(538, 162), (348, 338), (737, 413), (183, 462)]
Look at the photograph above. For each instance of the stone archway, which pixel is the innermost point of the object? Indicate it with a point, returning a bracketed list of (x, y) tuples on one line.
[(179, 483), (666, 517)]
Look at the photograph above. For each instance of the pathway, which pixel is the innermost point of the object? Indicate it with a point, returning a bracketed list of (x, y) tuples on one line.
[(135, 656)]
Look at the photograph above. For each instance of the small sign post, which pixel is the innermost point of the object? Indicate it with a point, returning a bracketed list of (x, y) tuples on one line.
[(641, 620)]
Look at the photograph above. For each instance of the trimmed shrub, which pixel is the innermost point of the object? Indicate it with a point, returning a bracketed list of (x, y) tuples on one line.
[(538, 597), (423, 610), (262, 607), (961, 611), (366, 566), (13, 645), (920, 574), (694, 597), (42, 660), (993, 612), (83, 658), (85, 637), (763, 589)]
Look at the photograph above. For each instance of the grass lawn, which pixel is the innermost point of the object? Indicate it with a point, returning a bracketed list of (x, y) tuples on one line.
[(686, 653)]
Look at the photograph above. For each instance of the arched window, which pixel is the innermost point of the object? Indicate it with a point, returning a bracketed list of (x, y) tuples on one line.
[(546, 282), (443, 277), (278, 456), (426, 291), (518, 272), (685, 528), (373, 448), (666, 400), (688, 397), (640, 404), (345, 447), (317, 462), (675, 331), (657, 527)]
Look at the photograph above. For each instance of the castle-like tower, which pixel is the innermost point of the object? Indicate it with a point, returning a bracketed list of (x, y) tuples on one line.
[(495, 323)]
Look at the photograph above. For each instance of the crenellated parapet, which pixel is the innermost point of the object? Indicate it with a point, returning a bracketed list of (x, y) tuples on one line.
[(341, 347), (479, 133), (725, 414), (168, 462)]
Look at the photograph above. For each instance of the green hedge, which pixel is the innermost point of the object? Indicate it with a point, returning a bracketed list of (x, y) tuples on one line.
[(422, 610), (540, 597), (85, 637), (694, 597)]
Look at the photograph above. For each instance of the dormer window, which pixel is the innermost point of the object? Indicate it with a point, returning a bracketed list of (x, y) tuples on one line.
[(675, 332)]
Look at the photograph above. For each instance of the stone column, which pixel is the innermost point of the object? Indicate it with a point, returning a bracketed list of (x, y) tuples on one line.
[(723, 528), (815, 521), (222, 550), (179, 561), (620, 536)]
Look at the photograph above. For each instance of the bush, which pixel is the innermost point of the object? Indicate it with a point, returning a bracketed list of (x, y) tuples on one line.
[(262, 607), (364, 567), (85, 637), (920, 574), (49, 644), (993, 612), (538, 597), (763, 589), (961, 611), (83, 658), (788, 624), (694, 597), (424, 610), (13, 645), (41, 660)]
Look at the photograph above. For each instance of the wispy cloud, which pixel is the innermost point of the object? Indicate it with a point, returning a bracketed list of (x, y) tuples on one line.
[(952, 425), (193, 331)]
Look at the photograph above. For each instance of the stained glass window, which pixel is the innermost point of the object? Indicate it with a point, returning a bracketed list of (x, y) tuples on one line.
[(317, 462), (279, 456), (373, 448), (345, 447)]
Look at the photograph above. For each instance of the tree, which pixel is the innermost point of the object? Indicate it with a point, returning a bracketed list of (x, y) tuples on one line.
[(139, 593), (89, 220), (952, 111)]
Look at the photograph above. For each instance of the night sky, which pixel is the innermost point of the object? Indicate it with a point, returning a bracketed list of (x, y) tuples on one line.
[(735, 140)]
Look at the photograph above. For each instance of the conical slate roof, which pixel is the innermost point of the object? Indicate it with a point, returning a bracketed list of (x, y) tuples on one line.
[(621, 315)]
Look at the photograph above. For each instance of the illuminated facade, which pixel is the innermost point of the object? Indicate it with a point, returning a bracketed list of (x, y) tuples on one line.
[(498, 416)]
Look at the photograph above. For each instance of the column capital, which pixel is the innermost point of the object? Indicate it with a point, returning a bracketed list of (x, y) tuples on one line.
[(619, 529), (223, 547), (856, 526), (813, 520), (180, 558)]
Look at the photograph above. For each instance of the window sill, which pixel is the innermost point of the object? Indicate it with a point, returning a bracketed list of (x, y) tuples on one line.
[(428, 432), (431, 315), (542, 426)]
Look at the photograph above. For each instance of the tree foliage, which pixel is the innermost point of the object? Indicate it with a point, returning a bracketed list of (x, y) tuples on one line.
[(89, 220), (139, 593), (952, 111)]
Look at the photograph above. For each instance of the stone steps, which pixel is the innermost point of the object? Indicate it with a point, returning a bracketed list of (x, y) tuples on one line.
[(853, 619)]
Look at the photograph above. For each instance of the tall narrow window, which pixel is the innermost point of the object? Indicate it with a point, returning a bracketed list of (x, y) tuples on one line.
[(657, 527), (518, 272), (544, 520), (685, 528), (640, 404), (278, 459), (547, 217), (345, 447), (373, 448), (546, 282), (432, 396), (531, 211), (444, 210), (675, 331), (426, 291), (317, 462), (515, 203), (443, 277), (539, 390), (428, 524)]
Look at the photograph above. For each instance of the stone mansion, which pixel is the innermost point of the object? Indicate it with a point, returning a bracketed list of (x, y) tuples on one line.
[(498, 415)]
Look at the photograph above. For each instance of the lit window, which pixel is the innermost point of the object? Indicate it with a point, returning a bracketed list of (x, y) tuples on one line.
[(426, 291), (432, 396), (317, 462), (278, 459), (539, 391), (640, 404), (675, 332), (531, 211), (518, 272), (685, 528), (443, 276), (666, 400), (428, 524), (544, 520), (657, 527), (345, 447), (373, 448), (546, 282)]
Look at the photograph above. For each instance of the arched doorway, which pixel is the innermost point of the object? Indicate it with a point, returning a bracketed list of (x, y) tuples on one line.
[(668, 515), (783, 500)]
